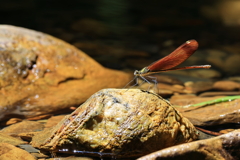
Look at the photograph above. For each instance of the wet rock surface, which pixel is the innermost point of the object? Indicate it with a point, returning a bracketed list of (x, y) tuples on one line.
[(118, 123), (209, 114), (41, 74)]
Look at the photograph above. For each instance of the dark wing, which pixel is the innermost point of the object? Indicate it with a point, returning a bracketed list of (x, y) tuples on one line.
[(176, 57)]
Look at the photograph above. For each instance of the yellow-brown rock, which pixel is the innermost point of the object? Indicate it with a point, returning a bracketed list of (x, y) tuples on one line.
[(5, 138), (118, 123), (226, 85), (40, 74), (10, 152)]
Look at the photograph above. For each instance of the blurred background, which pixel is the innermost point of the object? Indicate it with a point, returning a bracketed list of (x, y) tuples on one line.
[(130, 34)]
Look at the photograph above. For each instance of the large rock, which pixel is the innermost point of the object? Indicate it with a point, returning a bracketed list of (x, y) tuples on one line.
[(118, 123), (40, 74)]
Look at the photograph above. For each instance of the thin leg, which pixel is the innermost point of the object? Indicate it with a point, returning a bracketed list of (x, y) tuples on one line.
[(131, 82), (154, 79)]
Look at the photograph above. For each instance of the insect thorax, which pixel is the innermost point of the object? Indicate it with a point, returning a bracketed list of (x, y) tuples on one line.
[(142, 71)]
